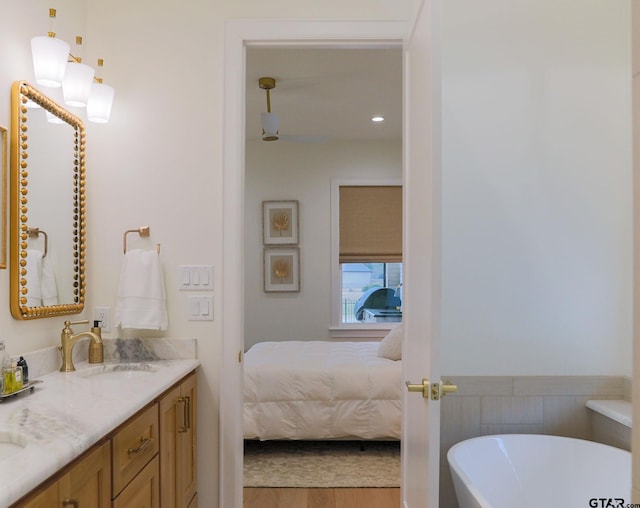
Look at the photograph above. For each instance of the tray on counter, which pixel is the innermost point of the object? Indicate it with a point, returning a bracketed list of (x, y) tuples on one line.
[(28, 386)]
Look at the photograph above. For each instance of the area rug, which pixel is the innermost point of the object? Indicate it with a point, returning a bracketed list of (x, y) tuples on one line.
[(310, 464)]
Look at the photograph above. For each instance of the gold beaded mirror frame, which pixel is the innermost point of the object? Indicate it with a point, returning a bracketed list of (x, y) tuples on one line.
[(47, 207)]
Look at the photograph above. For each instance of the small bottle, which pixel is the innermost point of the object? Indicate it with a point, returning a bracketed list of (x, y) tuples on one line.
[(17, 375), (8, 377), (96, 350), (22, 363), (3, 357)]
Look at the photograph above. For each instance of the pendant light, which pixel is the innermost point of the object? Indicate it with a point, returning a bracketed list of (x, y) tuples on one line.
[(49, 57), (270, 121), (100, 100)]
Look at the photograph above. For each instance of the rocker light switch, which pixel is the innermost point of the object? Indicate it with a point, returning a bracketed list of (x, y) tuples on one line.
[(196, 277), (200, 308)]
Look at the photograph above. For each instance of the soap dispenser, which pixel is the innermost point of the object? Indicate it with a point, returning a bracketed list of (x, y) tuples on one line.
[(96, 350)]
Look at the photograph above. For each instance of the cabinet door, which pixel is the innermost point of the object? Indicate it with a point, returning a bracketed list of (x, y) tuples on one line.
[(178, 445), (187, 477), (144, 489), (45, 498), (87, 484)]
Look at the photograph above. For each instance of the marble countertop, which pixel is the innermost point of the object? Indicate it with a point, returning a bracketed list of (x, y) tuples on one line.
[(67, 413)]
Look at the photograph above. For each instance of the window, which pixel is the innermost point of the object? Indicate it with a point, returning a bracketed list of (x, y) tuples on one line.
[(367, 257), (371, 292)]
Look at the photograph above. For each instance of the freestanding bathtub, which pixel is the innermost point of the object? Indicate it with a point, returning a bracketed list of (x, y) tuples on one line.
[(527, 470)]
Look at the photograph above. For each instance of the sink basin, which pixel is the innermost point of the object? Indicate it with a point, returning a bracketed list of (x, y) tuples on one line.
[(119, 370), (11, 444)]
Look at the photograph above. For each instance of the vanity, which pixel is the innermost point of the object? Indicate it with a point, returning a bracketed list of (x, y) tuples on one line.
[(99, 436), (120, 434)]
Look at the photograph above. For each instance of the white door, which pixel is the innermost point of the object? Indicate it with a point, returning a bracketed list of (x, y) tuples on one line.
[(421, 258)]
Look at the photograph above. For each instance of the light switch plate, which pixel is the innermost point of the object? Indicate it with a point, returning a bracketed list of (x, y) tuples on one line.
[(200, 308), (195, 277)]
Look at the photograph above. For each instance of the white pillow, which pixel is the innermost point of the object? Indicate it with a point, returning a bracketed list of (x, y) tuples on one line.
[(391, 346)]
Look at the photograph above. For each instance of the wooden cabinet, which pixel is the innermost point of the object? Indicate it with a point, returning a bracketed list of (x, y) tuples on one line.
[(178, 478), (148, 462), (88, 483), (85, 484), (46, 497), (144, 489), (134, 462), (133, 446)]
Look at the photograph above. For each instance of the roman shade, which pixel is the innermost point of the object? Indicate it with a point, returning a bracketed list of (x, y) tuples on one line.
[(370, 223)]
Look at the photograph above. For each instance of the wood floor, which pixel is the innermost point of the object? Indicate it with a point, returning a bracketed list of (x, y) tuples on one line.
[(321, 498)]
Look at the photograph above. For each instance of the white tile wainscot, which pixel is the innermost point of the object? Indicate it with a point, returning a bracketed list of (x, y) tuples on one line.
[(554, 405)]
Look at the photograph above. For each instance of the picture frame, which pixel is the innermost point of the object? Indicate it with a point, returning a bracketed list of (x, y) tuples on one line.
[(3, 177), (280, 222), (282, 270)]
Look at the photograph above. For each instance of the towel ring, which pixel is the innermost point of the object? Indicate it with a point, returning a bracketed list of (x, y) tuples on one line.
[(35, 233), (143, 231)]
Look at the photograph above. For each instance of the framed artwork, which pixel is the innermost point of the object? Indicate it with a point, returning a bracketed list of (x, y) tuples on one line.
[(281, 270), (280, 222), (3, 167)]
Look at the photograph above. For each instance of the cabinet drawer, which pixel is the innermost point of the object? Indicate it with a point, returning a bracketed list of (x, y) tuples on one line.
[(133, 446), (144, 489)]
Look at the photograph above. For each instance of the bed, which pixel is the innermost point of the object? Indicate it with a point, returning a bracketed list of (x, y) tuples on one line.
[(321, 390)]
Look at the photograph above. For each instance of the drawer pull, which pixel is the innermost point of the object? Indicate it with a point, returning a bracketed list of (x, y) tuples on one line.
[(144, 444), (186, 414), (71, 502)]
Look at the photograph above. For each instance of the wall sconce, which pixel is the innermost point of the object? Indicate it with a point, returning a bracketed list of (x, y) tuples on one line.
[(55, 66), (77, 81), (50, 57), (100, 100)]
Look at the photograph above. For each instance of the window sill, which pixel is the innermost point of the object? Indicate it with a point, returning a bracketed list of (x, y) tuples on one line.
[(361, 331)]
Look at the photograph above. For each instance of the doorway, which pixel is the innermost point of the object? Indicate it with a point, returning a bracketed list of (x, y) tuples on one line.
[(237, 36)]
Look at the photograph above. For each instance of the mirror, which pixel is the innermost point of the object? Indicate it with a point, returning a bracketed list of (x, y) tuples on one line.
[(47, 203)]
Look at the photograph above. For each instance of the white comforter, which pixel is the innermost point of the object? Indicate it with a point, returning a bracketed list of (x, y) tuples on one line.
[(320, 390)]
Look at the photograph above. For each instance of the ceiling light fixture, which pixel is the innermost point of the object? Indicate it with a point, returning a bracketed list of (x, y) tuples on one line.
[(377, 118), (55, 66), (269, 120)]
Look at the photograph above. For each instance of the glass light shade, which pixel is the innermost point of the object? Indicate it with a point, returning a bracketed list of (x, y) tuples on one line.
[(270, 124), (100, 102), (50, 57), (76, 84)]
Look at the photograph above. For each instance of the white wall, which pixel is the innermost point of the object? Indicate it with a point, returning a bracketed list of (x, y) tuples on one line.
[(301, 171), (537, 231), (19, 22), (537, 222), (635, 431)]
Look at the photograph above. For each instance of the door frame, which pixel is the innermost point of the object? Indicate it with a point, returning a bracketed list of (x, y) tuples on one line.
[(238, 35)]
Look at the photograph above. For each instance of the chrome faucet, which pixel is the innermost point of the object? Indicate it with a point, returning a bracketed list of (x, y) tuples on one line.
[(68, 340)]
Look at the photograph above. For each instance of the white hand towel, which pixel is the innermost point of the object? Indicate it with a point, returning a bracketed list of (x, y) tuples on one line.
[(141, 302), (34, 277), (48, 286)]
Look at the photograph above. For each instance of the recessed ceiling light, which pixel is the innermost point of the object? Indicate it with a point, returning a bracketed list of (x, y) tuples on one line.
[(377, 118)]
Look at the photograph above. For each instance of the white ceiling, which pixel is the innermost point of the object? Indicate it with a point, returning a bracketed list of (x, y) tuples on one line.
[(327, 92)]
